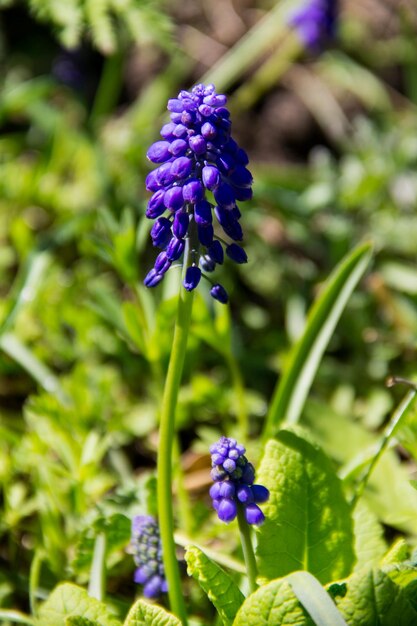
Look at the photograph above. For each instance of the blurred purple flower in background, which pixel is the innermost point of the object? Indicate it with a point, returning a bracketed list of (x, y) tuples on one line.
[(146, 548), (316, 23)]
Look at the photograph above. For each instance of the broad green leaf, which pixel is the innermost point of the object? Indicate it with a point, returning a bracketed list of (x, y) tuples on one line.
[(144, 614), (116, 529), (221, 590), (77, 620), (68, 600), (274, 604), (293, 387), (308, 522), (370, 545), (373, 598)]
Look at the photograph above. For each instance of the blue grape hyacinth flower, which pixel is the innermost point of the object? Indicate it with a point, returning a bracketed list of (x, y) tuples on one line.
[(316, 23), (233, 487), (201, 173), (146, 548)]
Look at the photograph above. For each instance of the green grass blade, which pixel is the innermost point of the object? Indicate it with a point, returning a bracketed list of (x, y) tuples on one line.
[(12, 346), (291, 391), (315, 599), (251, 47), (16, 617), (97, 582)]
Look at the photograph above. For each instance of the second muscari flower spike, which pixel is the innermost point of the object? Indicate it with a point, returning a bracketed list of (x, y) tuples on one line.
[(201, 168), (146, 548), (233, 487), (315, 22)]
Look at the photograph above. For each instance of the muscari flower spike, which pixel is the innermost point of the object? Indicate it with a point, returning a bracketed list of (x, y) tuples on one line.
[(201, 170), (315, 22), (146, 549), (233, 487)]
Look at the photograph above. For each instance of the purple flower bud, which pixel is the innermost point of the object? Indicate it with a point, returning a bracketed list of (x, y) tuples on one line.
[(162, 263), (233, 230), (176, 106), (253, 514), (188, 118), (211, 177), (167, 130), (178, 147), (205, 234), (152, 589), (159, 152), (226, 163), (224, 196), (215, 252), (227, 510), (243, 193), (181, 167), (236, 253), (244, 494), (241, 177), (175, 249), (227, 489), (215, 100), (208, 131), (161, 232), (164, 174), (151, 182), (180, 224), (192, 277), (193, 191), (241, 157), (197, 144), (315, 23), (173, 198), (152, 278), (205, 110), (207, 264), (156, 205), (248, 475), (215, 491), (260, 493), (202, 212), (180, 130), (219, 293), (229, 465)]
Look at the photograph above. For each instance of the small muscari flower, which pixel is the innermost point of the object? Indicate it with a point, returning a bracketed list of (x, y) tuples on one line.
[(146, 549), (233, 487), (315, 23), (200, 169)]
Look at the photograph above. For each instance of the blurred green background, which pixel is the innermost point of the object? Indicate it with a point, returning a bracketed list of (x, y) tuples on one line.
[(84, 346)]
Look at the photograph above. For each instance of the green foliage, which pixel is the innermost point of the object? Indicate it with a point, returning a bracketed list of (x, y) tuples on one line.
[(109, 23), (70, 601), (308, 522), (291, 392), (221, 590), (144, 614), (372, 597), (274, 604)]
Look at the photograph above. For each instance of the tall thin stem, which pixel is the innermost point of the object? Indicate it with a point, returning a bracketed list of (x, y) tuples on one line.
[(165, 451), (247, 547)]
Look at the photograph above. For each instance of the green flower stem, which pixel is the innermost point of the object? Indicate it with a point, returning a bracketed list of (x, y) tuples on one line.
[(248, 553), (184, 504), (165, 450)]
